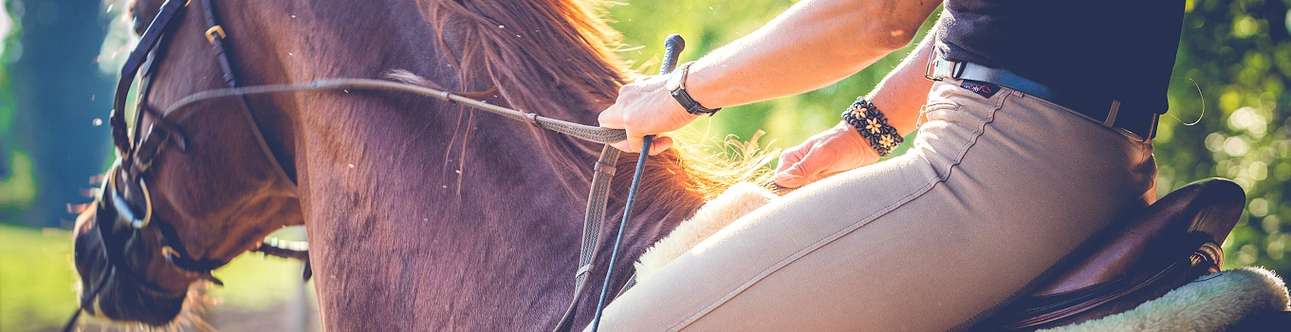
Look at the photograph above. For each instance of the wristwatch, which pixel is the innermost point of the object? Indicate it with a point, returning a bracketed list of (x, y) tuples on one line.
[(676, 86)]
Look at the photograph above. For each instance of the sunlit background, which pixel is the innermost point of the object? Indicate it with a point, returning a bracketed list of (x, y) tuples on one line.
[(59, 58)]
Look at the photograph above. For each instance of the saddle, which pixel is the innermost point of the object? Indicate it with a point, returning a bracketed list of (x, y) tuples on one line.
[(1160, 248)]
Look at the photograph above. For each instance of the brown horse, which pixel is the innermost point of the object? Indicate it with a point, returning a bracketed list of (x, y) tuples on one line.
[(421, 215)]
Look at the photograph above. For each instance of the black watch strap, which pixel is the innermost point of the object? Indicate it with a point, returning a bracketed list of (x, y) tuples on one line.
[(677, 88)]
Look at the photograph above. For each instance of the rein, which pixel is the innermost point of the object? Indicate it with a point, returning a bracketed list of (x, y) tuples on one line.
[(179, 110)]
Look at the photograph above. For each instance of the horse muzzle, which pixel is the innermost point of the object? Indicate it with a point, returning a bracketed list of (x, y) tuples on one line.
[(111, 290)]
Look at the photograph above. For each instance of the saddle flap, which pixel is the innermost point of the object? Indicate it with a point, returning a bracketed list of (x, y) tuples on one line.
[(1166, 231), (1157, 249)]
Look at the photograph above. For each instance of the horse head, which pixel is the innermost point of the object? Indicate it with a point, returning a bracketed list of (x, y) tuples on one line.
[(190, 190)]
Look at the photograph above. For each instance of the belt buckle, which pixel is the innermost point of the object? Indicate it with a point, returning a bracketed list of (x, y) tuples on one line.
[(940, 68), (930, 66), (930, 69)]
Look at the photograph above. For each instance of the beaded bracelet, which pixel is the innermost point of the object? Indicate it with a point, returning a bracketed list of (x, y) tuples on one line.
[(873, 126)]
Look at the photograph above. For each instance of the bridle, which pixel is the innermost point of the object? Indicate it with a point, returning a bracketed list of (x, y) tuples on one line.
[(136, 157), (132, 221)]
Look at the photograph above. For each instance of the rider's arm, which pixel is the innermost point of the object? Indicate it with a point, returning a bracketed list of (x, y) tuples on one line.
[(903, 92), (899, 96), (813, 44)]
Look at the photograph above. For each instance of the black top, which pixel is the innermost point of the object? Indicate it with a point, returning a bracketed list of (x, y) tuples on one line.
[(1121, 49)]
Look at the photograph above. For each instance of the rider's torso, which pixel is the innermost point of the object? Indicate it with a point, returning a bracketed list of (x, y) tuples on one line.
[(1119, 49)]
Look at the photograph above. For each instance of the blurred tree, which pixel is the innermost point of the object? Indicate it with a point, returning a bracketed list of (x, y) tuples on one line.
[(59, 90), (12, 197), (1234, 63)]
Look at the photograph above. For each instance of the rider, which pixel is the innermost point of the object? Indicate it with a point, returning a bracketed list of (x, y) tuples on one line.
[(1034, 120)]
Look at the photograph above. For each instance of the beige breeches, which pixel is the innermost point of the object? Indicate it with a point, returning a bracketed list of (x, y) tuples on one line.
[(992, 193)]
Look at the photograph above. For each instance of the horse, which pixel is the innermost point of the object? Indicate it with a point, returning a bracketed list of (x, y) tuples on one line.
[(421, 215)]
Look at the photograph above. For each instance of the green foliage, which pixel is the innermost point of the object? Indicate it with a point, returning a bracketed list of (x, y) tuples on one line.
[(17, 188), (18, 191), (1238, 54)]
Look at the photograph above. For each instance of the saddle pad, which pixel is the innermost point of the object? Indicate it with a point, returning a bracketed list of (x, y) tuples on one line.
[(1213, 302), (732, 204)]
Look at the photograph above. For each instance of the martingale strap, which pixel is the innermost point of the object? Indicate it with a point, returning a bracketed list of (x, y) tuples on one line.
[(597, 198)]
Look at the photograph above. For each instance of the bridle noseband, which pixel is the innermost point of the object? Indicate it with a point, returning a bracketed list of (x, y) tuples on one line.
[(136, 157), (127, 230)]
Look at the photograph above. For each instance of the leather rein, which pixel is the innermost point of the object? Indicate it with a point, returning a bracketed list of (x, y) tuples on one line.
[(136, 157)]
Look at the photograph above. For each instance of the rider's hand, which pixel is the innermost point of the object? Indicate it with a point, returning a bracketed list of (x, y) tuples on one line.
[(645, 108), (835, 150)]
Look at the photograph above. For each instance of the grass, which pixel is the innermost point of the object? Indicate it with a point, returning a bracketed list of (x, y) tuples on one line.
[(38, 282), (37, 279)]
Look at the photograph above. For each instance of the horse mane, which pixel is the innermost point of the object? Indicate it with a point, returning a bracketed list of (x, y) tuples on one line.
[(539, 54)]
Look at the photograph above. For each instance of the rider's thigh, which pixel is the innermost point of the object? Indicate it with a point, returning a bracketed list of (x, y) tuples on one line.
[(992, 193)]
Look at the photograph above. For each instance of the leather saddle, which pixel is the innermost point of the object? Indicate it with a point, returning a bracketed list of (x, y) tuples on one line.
[(1159, 248)]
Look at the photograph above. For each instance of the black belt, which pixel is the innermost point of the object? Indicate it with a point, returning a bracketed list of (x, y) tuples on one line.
[(1102, 109)]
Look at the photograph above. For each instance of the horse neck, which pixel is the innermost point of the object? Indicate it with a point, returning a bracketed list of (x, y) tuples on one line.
[(426, 210), (444, 147)]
